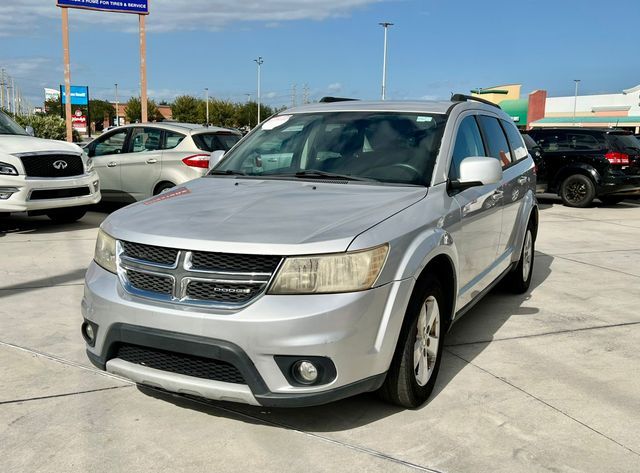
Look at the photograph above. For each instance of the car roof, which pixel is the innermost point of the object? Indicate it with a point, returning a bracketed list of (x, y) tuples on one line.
[(422, 106), (581, 129), (191, 128)]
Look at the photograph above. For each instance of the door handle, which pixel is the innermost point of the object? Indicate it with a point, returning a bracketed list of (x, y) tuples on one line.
[(152, 161), (112, 164), (523, 180)]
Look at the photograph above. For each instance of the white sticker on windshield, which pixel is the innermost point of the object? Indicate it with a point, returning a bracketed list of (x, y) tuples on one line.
[(424, 119), (276, 122)]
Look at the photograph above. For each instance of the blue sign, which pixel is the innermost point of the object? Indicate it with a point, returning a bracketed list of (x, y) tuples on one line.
[(141, 7), (79, 95)]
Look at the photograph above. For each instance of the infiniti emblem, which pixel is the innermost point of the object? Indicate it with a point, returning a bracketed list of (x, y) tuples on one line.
[(60, 164)]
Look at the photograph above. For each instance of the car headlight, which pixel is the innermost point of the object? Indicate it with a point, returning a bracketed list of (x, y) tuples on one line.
[(322, 274), (8, 169), (105, 254), (89, 164)]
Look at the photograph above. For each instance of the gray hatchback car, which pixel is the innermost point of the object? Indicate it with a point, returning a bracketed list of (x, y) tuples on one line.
[(143, 159), (326, 255)]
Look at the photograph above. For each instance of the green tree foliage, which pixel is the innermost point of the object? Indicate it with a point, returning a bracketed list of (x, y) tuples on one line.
[(188, 109), (133, 110), (101, 109), (47, 126)]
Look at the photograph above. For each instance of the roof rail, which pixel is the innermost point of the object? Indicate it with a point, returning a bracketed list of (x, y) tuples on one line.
[(335, 99), (466, 98)]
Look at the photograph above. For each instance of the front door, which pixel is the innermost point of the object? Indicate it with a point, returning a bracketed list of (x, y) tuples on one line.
[(106, 152), (141, 164)]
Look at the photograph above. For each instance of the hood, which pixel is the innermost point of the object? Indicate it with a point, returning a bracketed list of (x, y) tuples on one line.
[(19, 144), (260, 216)]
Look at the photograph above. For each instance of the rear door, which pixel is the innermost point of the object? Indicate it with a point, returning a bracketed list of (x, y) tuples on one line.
[(140, 165), (477, 236)]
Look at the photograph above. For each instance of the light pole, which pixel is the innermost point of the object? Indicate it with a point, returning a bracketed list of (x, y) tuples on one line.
[(117, 106), (259, 62), (575, 101), (385, 25), (206, 94)]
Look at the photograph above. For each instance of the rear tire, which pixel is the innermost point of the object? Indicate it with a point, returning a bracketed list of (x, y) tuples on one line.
[(416, 362), (67, 215), (611, 199), (163, 186), (518, 280), (577, 190)]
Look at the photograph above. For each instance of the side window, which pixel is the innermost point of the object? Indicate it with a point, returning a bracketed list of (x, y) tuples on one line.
[(515, 140), (112, 144), (584, 142), (468, 144), (172, 139), (144, 139), (496, 141), (552, 141)]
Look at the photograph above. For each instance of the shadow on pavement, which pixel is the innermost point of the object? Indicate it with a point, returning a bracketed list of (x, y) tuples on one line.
[(479, 326)]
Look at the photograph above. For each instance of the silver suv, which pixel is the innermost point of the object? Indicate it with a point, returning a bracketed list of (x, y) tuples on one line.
[(326, 255)]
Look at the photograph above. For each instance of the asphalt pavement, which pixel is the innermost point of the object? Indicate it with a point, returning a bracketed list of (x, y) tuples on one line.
[(547, 381)]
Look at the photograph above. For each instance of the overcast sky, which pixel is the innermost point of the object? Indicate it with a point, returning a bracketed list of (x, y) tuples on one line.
[(334, 47)]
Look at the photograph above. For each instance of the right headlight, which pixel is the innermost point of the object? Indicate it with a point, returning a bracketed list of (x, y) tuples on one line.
[(105, 254), (8, 169), (332, 273)]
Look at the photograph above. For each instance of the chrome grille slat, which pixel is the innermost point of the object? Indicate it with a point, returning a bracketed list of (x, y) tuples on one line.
[(194, 277)]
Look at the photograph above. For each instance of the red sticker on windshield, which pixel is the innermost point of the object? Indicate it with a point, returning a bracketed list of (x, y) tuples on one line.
[(168, 195)]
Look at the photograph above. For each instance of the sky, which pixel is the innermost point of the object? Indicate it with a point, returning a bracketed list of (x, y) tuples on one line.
[(331, 47)]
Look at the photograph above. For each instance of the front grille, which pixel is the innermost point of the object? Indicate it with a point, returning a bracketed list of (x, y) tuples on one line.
[(227, 293), (42, 194), (154, 254), (150, 282), (234, 262), (202, 278), (188, 365), (53, 165)]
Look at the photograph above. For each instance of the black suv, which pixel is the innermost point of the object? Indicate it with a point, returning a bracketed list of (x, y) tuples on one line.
[(581, 164)]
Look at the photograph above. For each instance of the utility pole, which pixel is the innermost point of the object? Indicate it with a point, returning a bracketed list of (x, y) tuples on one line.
[(575, 101), (294, 95), (259, 62), (305, 94), (206, 93), (386, 26), (9, 90), (117, 106), (13, 91), (1, 88), (67, 73), (143, 69)]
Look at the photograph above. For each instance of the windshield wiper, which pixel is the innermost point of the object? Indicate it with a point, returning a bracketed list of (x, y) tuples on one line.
[(316, 174), (227, 172)]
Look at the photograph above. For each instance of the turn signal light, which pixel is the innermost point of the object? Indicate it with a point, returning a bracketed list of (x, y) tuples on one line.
[(197, 161)]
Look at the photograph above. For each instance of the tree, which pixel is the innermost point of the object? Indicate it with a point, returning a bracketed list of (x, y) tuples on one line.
[(222, 113), (47, 126), (99, 110), (133, 111), (188, 109)]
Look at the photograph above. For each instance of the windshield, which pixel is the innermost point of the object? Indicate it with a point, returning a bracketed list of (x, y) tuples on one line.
[(396, 147), (9, 127)]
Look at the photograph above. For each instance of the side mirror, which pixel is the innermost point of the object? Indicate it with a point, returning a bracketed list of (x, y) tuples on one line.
[(215, 158), (30, 131), (478, 171)]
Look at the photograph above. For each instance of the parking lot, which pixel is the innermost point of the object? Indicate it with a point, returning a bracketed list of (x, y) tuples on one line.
[(548, 381)]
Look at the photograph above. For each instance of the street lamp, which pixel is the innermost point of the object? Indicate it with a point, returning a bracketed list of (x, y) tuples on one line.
[(259, 62), (206, 94), (385, 25), (575, 101), (117, 106)]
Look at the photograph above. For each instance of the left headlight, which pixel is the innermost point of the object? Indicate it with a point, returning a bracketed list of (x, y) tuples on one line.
[(333, 273), (105, 254), (8, 169)]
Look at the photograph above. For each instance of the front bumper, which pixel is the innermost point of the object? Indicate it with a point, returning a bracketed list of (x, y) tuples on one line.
[(357, 332), (23, 188)]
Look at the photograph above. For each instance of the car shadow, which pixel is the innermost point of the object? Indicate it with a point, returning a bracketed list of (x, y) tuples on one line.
[(477, 327)]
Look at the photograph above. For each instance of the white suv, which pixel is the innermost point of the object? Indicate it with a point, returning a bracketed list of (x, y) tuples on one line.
[(44, 176)]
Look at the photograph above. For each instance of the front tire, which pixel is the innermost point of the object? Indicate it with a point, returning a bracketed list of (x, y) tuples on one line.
[(577, 191), (67, 215), (416, 362), (162, 187), (519, 279)]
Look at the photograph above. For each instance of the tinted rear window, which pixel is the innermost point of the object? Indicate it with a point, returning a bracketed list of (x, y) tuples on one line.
[(624, 143), (215, 141)]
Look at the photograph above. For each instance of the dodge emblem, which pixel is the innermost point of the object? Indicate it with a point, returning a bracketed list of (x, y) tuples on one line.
[(60, 164)]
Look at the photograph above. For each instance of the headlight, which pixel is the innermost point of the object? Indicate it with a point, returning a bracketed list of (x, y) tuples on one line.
[(8, 169), (340, 272), (89, 164), (105, 254)]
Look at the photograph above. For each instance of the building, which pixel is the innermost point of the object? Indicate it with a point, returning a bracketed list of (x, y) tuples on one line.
[(165, 111), (620, 110)]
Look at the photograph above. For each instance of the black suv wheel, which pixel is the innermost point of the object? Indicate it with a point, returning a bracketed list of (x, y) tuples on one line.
[(577, 191)]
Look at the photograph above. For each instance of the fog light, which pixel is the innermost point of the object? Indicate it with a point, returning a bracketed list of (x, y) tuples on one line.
[(6, 192), (96, 184), (305, 371), (89, 332)]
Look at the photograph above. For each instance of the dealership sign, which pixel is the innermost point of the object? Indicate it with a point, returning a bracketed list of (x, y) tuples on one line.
[(140, 7), (79, 95)]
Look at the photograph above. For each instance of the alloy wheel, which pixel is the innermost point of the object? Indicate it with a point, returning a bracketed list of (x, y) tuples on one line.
[(425, 349)]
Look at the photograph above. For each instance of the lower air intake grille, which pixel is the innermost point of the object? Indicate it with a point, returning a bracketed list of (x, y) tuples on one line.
[(188, 365)]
